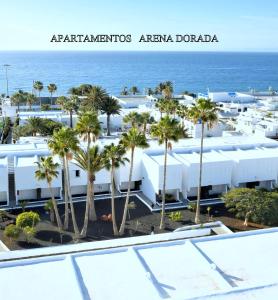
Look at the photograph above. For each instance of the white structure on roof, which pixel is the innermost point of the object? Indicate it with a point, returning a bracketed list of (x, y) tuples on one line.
[(234, 97), (171, 265)]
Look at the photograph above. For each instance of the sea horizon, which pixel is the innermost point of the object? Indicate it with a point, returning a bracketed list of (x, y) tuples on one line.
[(194, 71)]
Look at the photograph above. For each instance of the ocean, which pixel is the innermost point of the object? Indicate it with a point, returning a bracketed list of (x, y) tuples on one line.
[(192, 71)]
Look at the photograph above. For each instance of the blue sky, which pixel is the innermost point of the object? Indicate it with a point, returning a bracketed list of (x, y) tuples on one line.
[(249, 25)]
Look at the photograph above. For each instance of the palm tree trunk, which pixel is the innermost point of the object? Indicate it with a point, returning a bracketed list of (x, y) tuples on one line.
[(40, 99), (70, 119), (115, 228), (90, 188), (197, 216), (51, 99), (122, 228), (66, 220), (162, 220), (75, 227), (108, 125), (54, 203)]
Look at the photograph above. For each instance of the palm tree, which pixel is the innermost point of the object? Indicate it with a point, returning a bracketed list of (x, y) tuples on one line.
[(131, 140), (47, 170), (113, 158), (71, 106), (146, 119), (204, 112), (132, 118), (34, 124), (88, 126), (30, 100), (182, 112), (52, 88), (168, 85), (94, 98), (168, 129), (18, 98), (124, 92), (91, 162), (110, 106), (62, 100), (63, 143), (134, 90), (167, 92), (38, 86)]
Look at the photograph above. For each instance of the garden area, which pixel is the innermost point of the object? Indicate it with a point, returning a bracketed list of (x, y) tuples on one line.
[(39, 231)]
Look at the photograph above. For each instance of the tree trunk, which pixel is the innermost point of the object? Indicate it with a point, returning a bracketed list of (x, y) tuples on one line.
[(247, 218), (66, 220), (51, 99), (75, 227), (54, 203), (70, 119), (40, 99), (108, 125), (122, 228), (162, 220), (115, 228), (90, 191), (197, 216)]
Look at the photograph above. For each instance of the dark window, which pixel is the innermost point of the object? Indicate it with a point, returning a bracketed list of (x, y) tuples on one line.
[(77, 173)]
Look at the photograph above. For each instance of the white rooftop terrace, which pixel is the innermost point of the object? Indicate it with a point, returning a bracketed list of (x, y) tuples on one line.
[(163, 266)]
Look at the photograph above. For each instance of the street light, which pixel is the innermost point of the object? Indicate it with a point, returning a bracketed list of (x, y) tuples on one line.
[(6, 66)]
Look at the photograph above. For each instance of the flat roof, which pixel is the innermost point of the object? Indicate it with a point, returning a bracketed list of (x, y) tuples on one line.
[(229, 266), (256, 153), (26, 161), (159, 159)]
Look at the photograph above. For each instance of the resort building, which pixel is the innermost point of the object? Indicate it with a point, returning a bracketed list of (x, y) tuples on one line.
[(27, 187), (4, 182), (186, 264), (228, 162)]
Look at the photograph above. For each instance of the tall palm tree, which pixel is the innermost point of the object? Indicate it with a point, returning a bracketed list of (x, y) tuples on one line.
[(146, 119), (47, 170), (182, 112), (62, 100), (94, 98), (71, 106), (91, 162), (168, 129), (113, 159), (63, 143), (131, 140), (52, 88), (18, 98), (88, 126), (132, 118), (134, 90), (205, 112), (110, 106), (38, 86), (34, 124), (30, 100)]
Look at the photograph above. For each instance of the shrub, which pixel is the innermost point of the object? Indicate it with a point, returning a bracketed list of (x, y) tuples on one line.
[(259, 206), (29, 233), (12, 232), (175, 216), (25, 219)]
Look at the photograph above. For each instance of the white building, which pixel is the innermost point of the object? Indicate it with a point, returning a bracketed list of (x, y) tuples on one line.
[(27, 187), (174, 266), (4, 182)]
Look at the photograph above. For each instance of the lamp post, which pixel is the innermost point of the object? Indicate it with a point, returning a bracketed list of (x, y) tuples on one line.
[(6, 66)]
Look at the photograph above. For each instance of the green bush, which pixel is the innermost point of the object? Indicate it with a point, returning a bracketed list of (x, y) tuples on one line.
[(175, 216), (29, 218), (29, 233), (12, 232), (254, 205)]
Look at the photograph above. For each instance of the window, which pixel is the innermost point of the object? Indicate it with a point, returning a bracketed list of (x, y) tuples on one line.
[(77, 173)]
